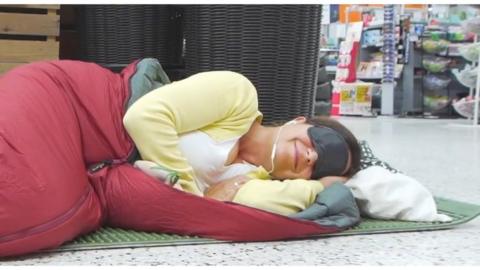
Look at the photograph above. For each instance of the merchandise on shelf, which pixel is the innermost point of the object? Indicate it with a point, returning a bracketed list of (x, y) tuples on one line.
[(374, 70), (416, 30), (436, 32), (376, 57), (372, 37), (457, 33), (465, 106), (435, 46), (331, 59), (435, 64), (459, 13), (354, 98), (472, 25), (346, 67), (436, 82), (445, 36), (435, 102), (454, 49), (467, 77), (389, 40), (470, 51)]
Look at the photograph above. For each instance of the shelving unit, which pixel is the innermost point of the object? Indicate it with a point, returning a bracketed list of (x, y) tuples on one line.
[(453, 90), (474, 93), (326, 73), (366, 50), (476, 110), (409, 90)]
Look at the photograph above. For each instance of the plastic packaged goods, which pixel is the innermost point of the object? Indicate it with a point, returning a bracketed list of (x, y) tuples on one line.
[(436, 64), (437, 35), (472, 25), (457, 33), (470, 51), (465, 106), (372, 37), (347, 61), (435, 46), (435, 103), (436, 82), (457, 36), (467, 76), (352, 98)]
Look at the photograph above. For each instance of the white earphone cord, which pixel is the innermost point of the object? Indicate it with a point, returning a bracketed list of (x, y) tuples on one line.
[(274, 148)]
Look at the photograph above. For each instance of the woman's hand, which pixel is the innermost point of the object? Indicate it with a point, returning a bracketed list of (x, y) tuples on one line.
[(226, 189), (329, 180)]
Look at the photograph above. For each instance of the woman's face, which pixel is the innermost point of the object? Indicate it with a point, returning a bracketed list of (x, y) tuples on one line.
[(295, 154)]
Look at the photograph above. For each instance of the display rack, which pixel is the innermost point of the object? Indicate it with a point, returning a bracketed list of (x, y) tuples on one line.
[(462, 106), (453, 89), (326, 73), (410, 95), (425, 112), (476, 100), (371, 69)]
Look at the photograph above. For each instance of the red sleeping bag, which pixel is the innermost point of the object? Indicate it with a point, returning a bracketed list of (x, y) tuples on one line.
[(57, 118)]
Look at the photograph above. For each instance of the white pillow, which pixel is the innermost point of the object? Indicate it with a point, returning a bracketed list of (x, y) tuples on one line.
[(382, 194)]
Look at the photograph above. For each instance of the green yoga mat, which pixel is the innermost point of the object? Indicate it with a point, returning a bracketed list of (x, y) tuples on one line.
[(108, 238)]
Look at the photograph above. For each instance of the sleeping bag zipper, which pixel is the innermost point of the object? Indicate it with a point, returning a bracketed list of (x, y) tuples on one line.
[(50, 224)]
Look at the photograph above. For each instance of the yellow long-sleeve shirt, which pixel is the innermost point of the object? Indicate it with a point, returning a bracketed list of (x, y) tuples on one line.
[(223, 104)]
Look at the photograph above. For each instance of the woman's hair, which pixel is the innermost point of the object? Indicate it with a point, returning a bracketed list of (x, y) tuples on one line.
[(324, 121)]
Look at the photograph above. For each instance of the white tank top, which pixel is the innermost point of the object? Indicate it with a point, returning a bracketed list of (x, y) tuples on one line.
[(207, 158)]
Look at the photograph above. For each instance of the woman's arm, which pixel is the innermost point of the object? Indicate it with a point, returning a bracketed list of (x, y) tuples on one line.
[(205, 100), (281, 197), (227, 189)]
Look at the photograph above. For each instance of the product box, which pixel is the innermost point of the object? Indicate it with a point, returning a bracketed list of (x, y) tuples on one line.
[(354, 98)]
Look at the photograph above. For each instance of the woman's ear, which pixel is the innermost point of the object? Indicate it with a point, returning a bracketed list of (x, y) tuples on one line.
[(300, 120)]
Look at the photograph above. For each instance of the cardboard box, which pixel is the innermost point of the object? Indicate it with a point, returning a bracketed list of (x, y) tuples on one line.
[(355, 98)]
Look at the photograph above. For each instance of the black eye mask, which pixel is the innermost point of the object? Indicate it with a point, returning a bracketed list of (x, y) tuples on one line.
[(332, 150)]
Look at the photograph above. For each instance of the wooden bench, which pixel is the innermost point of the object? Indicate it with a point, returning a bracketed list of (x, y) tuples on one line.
[(28, 33)]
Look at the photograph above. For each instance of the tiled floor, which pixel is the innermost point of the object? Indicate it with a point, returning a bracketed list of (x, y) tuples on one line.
[(442, 154)]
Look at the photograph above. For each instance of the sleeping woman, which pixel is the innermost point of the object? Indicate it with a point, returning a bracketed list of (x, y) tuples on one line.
[(208, 129), (70, 132)]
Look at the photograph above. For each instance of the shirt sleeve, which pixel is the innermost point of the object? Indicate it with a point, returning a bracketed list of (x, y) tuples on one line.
[(281, 197), (217, 98)]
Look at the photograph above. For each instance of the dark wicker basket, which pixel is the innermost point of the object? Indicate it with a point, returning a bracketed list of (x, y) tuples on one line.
[(115, 35), (275, 46)]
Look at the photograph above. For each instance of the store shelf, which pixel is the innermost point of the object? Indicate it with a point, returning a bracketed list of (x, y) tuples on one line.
[(374, 78), (370, 78), (378, 45), (452, 90), (454, 55), (372, 27), (450, 24), (419, 22), (331, 68), (329, 49)]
